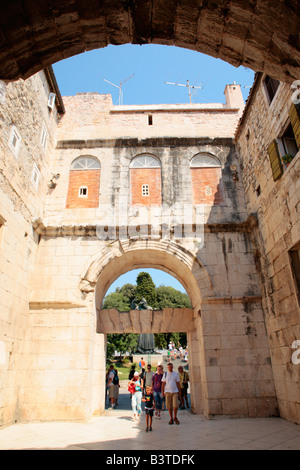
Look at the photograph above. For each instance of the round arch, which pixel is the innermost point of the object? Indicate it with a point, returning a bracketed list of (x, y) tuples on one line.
[(205, 160), (121, 257), (85, 162), (145, 160), (233, 32)]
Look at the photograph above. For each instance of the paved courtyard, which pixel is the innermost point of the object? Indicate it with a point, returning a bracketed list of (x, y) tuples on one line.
[(116, 431)]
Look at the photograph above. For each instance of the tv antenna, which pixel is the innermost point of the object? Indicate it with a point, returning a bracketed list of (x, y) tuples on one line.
[(120, 87), (193, 87)]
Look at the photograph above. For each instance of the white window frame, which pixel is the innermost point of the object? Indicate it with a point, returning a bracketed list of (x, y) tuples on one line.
[(85, 162), (145, 190), (35, 176), (145, 161), (15, 134), (51, 100), (80, 191), (204, 160), (44, 136)]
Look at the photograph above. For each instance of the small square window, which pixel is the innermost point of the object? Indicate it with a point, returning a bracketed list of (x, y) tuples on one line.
[(14, 141), (83, 191), (145, 190), (35, 177)]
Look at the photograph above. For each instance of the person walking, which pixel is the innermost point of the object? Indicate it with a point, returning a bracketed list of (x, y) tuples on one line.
[(149, 407), (136, 401), (156, 386), (111, 386), (171, 389), (148, 378), (184, 379)]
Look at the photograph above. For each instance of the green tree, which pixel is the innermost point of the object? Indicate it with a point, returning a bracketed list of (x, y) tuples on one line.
[(122, 343), (146, 288), (168, 297), (120, 299)]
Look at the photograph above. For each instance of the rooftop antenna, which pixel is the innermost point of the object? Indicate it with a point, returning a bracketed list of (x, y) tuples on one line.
[(120, 87), (193, 87)]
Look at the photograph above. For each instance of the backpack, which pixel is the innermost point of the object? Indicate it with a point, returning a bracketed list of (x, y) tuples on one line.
[(115, 379), (131, 387)]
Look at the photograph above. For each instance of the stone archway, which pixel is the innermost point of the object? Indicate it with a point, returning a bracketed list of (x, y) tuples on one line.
[(35, 34), (169, 256)]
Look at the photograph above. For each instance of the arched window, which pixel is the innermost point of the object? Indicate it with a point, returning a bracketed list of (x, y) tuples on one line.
[(145, 180), (206, 175), (86, 163), (84, 183), (145, 161), (205, 160)]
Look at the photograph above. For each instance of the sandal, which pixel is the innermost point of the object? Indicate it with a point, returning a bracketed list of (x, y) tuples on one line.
[(171, 421), (176, 421)]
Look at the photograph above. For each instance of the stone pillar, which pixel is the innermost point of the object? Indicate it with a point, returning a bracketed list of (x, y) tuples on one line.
[(194, 357)]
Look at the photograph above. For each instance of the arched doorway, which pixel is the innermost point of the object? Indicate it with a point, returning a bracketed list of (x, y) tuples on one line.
[(173, 259)]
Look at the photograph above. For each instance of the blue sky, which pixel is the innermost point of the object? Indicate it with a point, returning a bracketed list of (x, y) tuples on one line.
[(159, 278), (152, 65)]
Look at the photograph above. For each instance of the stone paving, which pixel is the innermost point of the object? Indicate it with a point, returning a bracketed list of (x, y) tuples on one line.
[(115, 431)]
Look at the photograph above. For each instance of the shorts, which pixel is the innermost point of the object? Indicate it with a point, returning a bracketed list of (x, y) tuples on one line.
[(149, 412), (171, 400), (111, 391)]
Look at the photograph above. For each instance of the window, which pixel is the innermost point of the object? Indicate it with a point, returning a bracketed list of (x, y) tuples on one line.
[(206, 176), (15, 141), (35, 177), (287, 145), (283, 149), (145, 190), (86, 163), (271, 86), (83, 191), (84, 183), (150, 120), (145, 161), (295, 264), (145, 180), (51, 100), (44, 136), (205, 161)]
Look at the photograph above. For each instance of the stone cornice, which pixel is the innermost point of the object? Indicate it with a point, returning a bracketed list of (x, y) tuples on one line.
[(146, 142), (91, 230)]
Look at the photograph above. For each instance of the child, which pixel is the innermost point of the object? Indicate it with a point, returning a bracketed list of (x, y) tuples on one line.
[(149, 407)]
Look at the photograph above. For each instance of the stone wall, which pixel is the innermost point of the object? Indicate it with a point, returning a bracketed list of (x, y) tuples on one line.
[(276, 205), (55, 347), (24, 174)]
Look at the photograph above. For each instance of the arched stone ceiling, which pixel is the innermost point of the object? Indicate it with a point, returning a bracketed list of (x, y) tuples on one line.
[(260, 34)]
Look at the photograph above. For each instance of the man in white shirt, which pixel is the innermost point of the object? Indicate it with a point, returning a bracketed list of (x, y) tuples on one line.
[(170, 389)]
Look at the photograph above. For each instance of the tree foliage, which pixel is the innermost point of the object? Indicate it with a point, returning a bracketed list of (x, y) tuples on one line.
[(146, 288)]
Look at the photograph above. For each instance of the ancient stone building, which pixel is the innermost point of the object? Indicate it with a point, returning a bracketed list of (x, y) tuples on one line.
[(90, 191), (268, 142)]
